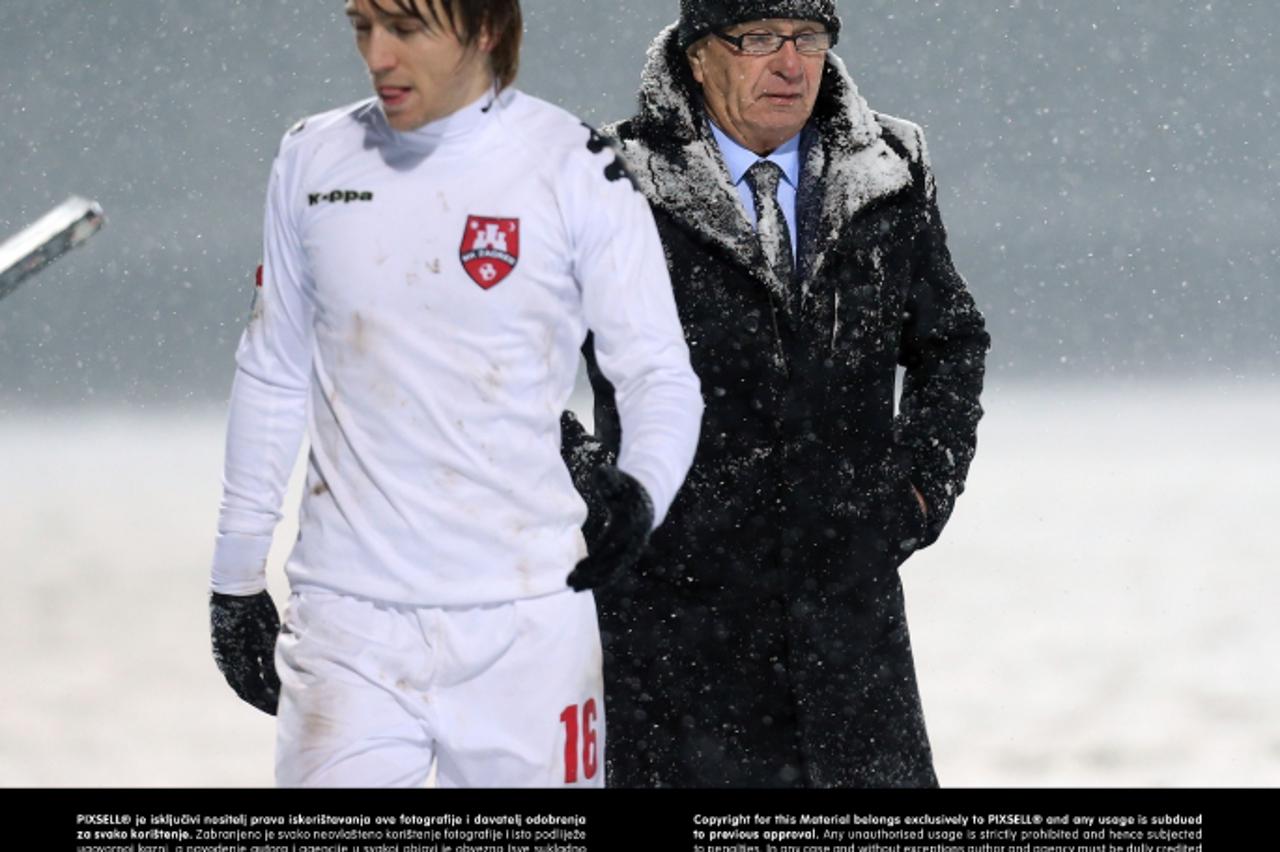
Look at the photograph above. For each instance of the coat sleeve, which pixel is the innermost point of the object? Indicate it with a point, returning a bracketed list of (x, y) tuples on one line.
[(267, 414), (943, 351), (637, 338)]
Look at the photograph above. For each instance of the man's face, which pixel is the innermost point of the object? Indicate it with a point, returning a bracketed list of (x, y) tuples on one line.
[(421, 73), (760, 101)]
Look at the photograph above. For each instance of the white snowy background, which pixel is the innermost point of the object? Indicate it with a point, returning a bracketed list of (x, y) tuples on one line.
[(1102, 609)]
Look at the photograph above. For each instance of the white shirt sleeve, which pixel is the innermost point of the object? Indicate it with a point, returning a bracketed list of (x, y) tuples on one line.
[(268, 410), (619, 263)]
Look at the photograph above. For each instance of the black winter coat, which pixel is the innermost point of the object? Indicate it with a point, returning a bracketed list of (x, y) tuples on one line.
[(762, 640)]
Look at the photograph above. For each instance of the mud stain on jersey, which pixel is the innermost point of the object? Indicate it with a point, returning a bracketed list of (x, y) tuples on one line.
[(490, 382), (448, 478), (319, 727), (359, 335), (525, 573), (320, 489), (258, 308)]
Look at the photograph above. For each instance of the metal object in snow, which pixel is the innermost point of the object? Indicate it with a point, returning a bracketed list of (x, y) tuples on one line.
[(53, 235)]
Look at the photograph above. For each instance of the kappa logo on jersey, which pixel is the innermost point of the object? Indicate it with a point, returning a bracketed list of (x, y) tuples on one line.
[(490, 249), (344, 196)]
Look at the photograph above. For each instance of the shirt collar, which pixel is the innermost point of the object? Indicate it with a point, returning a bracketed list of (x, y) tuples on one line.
[(738, 159), (463, 122)]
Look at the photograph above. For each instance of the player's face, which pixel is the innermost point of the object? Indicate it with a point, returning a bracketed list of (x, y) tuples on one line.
[(421, 72), (760, 101)]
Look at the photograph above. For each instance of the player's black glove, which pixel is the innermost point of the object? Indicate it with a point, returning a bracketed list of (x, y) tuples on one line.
[(244, 633), (617, 529)]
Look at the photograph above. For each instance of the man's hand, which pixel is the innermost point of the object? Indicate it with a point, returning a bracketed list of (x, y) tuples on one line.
[(617, 529), (924, 507), (244, 633)]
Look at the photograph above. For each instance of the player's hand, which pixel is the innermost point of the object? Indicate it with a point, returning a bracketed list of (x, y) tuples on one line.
[(617, 529), (244, 633)]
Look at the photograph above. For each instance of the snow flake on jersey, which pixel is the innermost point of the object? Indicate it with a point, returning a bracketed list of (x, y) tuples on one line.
[(490, 249)]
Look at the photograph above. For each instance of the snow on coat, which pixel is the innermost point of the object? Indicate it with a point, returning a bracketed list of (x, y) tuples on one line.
[(763, 641)]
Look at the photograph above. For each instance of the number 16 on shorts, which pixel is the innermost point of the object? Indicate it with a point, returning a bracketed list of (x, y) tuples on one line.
[(581, 748)]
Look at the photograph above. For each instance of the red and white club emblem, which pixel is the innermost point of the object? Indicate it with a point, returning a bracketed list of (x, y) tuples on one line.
[(490, 249)]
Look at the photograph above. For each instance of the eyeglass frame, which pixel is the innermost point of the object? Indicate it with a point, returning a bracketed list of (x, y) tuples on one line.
[(736, 41)]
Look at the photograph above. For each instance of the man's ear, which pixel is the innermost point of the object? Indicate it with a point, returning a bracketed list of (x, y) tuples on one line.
[(694, 55)]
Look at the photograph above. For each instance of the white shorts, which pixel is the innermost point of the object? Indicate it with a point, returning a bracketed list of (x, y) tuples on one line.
[(505, 695)]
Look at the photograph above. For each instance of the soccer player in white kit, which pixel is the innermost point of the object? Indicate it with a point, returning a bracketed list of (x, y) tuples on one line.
[(434, 258)]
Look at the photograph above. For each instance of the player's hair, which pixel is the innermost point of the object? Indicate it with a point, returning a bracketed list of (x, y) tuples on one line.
[(469, 18)]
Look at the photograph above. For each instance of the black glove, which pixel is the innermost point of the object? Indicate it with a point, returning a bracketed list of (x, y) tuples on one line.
[(582, 452), (244, 633), (617, 529)]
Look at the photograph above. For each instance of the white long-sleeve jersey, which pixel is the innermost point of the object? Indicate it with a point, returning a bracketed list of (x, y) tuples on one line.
[(423, 299)]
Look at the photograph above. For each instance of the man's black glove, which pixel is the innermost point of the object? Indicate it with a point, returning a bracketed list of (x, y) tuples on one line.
[(244, 633), (617, 529)]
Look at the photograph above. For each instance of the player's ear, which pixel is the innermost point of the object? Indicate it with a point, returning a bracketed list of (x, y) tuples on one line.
[(484, 39)]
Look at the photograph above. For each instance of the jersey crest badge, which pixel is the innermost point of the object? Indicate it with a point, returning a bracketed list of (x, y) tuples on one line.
[(490, 249)]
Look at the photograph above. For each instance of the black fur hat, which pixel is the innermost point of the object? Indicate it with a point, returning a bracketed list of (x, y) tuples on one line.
[(700, 17)]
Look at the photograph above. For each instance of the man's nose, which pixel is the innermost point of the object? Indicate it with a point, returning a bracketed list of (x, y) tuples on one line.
[(786, 61), (380, 55)]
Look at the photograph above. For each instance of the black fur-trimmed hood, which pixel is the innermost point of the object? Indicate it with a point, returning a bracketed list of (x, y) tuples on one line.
[(677, 164)]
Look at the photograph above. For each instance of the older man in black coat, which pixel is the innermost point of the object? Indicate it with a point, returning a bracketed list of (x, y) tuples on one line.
[(762, 639)]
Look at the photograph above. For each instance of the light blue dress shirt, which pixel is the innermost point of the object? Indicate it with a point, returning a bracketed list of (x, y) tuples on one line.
[(739, 159)]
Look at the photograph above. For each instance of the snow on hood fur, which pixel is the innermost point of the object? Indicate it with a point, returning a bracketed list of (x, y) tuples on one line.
[(677, 163)]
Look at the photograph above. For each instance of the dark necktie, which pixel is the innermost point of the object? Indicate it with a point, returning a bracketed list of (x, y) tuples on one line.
[(771, 224)]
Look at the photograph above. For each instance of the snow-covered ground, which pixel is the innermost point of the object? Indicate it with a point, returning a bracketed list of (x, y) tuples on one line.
[(1101, 612)]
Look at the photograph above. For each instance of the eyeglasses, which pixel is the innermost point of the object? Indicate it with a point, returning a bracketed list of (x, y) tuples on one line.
[(762, 44)]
